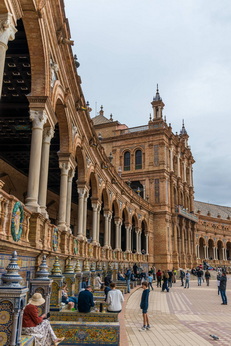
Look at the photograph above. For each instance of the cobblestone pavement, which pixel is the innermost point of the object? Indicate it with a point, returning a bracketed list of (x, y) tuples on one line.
[(180, 317)]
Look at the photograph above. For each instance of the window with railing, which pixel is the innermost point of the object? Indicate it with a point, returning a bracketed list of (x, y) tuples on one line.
[(127, 161), (138, 159)]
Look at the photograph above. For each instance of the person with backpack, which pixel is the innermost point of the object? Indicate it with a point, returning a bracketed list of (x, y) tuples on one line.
[(182, 276), (158, 278), (207, 277), (165, 281), (128, 275)]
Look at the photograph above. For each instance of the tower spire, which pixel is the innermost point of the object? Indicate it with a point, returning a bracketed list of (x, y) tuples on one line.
[(157, 105)]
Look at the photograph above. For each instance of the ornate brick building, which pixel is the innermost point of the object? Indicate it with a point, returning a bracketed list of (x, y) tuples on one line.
[(66, 192)]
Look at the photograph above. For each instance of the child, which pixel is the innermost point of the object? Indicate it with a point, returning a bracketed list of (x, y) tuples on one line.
[(144, 306)]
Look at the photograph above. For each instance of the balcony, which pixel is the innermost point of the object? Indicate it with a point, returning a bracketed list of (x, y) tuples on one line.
[(185, 213)]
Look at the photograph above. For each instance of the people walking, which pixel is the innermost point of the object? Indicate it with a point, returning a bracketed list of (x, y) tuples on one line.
[(128, 275), (223, 282), (182, 276), (165, 281), (218, 282), (207, 277), (187, 279), (158, 278), (144, 306), (170, 275), (150, 279), (199, 276)]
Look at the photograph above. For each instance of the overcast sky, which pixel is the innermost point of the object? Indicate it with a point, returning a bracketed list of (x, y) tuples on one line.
[(126, 47)]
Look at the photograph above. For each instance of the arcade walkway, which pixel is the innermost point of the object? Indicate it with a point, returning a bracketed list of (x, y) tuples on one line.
[(181, 317)]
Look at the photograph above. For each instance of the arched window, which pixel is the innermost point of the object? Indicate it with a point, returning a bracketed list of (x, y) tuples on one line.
[(138, 159), (127, 159)]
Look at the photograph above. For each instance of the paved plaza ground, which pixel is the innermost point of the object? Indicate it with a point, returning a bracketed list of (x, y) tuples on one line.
[(180, 317)]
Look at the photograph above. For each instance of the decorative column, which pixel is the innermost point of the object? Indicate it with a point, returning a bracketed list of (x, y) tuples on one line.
[(128, 249), (106, 229), (137, 241), (38, 118), (81, 192), (204, 251), (109, 229), (48, 134), (98, 222), (139, 238), (147, 243), (86, 196), (118, 234), (94, 222), (214, 253), (178, 165), (7, 33), (65, 167), (69, 195), (171, 159)]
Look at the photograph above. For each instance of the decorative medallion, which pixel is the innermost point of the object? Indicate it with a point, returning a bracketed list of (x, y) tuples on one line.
[(55, 239), (17, 220), (81, 334), (3, 338), (4, 318)]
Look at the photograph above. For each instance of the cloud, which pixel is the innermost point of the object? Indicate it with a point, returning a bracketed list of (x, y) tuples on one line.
[(126, 47)]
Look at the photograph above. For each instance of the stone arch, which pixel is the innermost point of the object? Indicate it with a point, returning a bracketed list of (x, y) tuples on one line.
[(39, 53), (81, 164), (93, 182), (115, 205), (105, 198), (58, 94), (64, 128)]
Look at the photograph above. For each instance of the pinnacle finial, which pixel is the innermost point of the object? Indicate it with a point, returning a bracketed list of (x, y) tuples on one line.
[(157, 88), (42, 273), (12, 278)]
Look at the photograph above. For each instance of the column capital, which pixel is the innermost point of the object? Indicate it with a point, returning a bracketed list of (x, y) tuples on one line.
[(96, 205), (48, 134), (64, 166), (82, 191), (118, 221), (7, 28), (38, 118)]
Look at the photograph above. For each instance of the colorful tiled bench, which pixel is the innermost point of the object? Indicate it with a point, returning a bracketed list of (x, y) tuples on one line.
[(88, 333), (27, 340), (68, 315)]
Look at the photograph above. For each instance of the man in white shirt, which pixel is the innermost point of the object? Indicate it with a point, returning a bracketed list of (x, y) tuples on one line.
[(114, 299)]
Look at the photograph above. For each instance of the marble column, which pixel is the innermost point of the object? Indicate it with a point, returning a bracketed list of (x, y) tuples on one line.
[(98, 222), (48, 134), (81, 194), (128, 238), (137, 241), (204, 251), (7, 33), (38, 118), (94, 222), (109, 230), (106, 229), (64, 167), (86, 196), (147, 242), (69, 196), (118, 234)]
